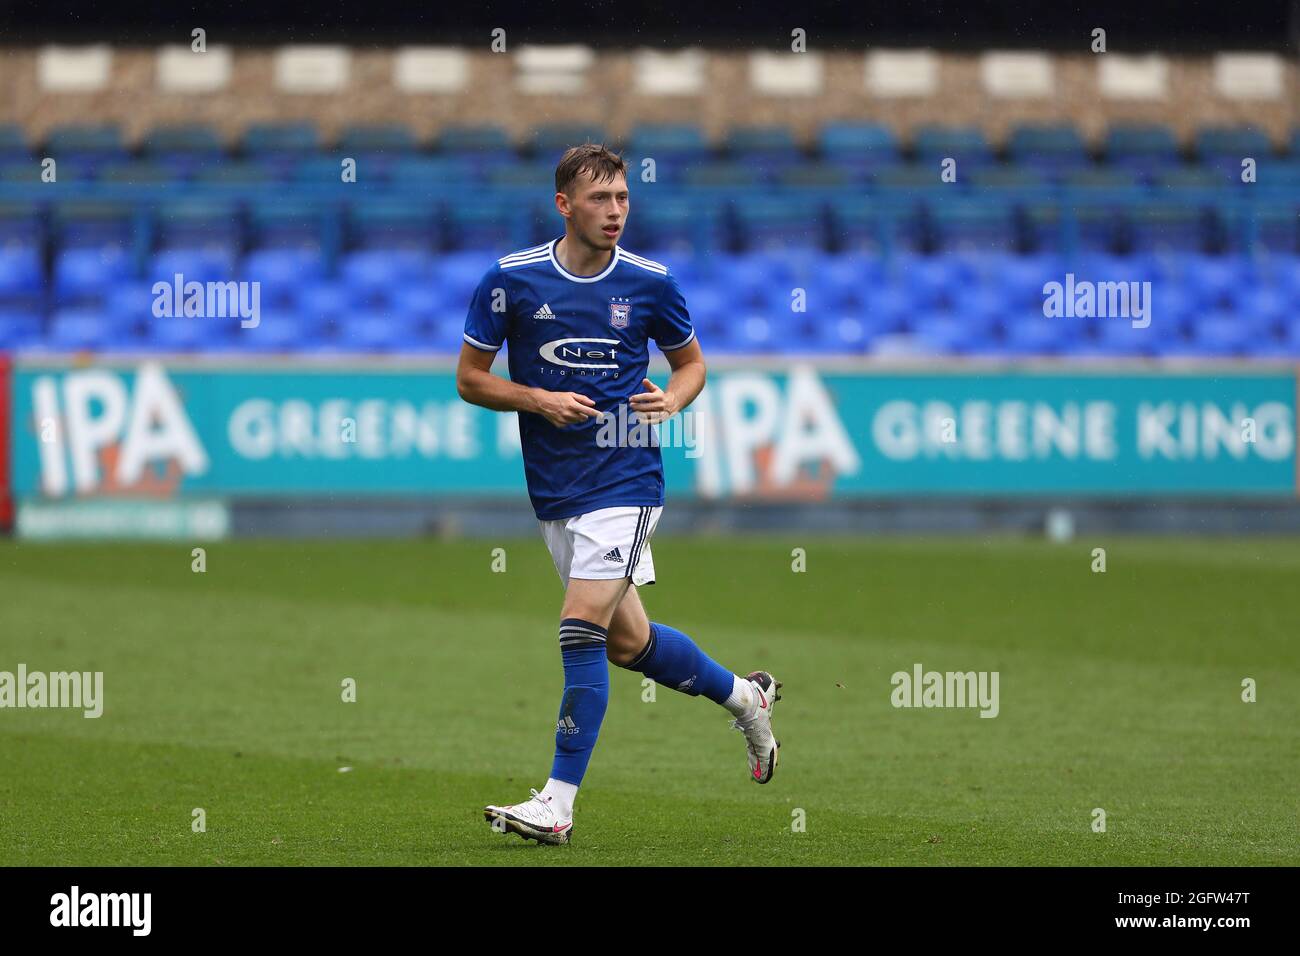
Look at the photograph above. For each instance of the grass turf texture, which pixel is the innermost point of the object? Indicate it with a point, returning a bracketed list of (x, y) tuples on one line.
[(1118, 690)]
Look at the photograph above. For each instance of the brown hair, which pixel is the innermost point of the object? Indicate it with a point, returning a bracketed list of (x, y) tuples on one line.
[(602, 163)]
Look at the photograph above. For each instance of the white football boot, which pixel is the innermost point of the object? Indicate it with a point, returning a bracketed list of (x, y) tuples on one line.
[(535, 819), (763, 747)]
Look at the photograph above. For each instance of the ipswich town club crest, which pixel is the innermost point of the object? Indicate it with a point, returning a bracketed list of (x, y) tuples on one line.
[(619, 313)]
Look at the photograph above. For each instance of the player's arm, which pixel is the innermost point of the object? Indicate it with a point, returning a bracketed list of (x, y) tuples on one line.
[(684, 385), (478, 386)]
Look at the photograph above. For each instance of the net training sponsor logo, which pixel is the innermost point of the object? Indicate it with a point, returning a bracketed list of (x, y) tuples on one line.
[(581, 356)]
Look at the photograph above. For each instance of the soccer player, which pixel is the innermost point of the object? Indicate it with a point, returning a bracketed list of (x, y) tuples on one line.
[(579, 313)]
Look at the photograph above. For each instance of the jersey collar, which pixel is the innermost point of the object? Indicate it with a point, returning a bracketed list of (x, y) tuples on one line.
[(613, 261)]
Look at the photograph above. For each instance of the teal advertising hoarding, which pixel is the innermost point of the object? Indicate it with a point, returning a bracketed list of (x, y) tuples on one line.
[(156, 429)]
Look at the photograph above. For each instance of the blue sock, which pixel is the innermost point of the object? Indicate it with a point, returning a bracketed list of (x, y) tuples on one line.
[(586, 694), (673, 659)]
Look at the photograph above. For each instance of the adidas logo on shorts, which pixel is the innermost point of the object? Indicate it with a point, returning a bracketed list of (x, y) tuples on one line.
[(544, 312), (614, 556)]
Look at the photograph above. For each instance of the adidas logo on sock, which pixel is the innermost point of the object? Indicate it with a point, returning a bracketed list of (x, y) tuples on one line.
[(614, 556), (565, 725), (544, 312)]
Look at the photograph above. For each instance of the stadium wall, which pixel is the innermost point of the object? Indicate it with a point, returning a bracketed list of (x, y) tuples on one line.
[(190, 447), (334, 87)]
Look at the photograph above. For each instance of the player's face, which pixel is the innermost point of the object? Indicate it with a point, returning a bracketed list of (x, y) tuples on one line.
[(597, 211)]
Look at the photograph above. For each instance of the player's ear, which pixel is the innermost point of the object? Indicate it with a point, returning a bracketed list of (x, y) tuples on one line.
[(562, 204)]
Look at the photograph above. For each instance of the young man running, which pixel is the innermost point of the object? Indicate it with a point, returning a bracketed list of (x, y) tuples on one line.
[(579, 313)]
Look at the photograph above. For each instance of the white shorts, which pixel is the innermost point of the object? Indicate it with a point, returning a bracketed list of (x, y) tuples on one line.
[(605, 544)]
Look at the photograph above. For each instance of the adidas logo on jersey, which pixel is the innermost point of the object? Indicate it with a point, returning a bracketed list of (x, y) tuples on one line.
[(614, 556), (544, 312)]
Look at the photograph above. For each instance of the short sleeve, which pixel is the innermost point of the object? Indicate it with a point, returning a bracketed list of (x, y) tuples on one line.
[(671, 328), (485, 325)]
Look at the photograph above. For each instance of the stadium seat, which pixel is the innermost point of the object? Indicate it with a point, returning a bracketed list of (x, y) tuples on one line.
[(20, 328), (1053, 148), (268, 140), (21, 273), (966, 144), (549, 141), (386, 141), (13, 144), (86, 275), (861, 147)]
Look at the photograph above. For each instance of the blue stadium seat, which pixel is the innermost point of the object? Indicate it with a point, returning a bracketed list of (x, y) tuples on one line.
[(972, 223), (181, 334), (183, 140), (459, 273), (90, 223), (89, 144), (1053, 147), (369, 331), (375, 276), (676, 223), (549, 141), (20, 328), (859, 146), (483, 145), (282, 272), (486, 223), (779, 221), (199, 224), (252, 172), (737, 176), (21, 273), (288, 223), (184, 148), (13, 144), (1032, 334), (196, 265), (432, 171), (396, 223), (1219, 144), (1142, 147), (966, 144), (667, 139), (85, 275), (76, 330), (1224, 334), (387, 141), (322, 300), (281, 139)]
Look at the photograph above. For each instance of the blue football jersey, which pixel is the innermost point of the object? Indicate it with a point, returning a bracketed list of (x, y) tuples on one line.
[(584, 334)]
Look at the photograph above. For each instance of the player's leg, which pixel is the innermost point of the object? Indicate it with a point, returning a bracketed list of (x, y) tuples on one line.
[(580, 547), (671, 658)]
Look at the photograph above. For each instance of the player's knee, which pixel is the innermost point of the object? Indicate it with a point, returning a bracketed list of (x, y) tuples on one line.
[(623, 646), (619, 655)]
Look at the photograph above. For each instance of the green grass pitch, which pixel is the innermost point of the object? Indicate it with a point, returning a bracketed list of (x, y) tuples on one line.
[(1119, 691)]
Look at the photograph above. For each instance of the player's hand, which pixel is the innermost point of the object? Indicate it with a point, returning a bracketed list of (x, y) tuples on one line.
[(653, 405), (565, 408)]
